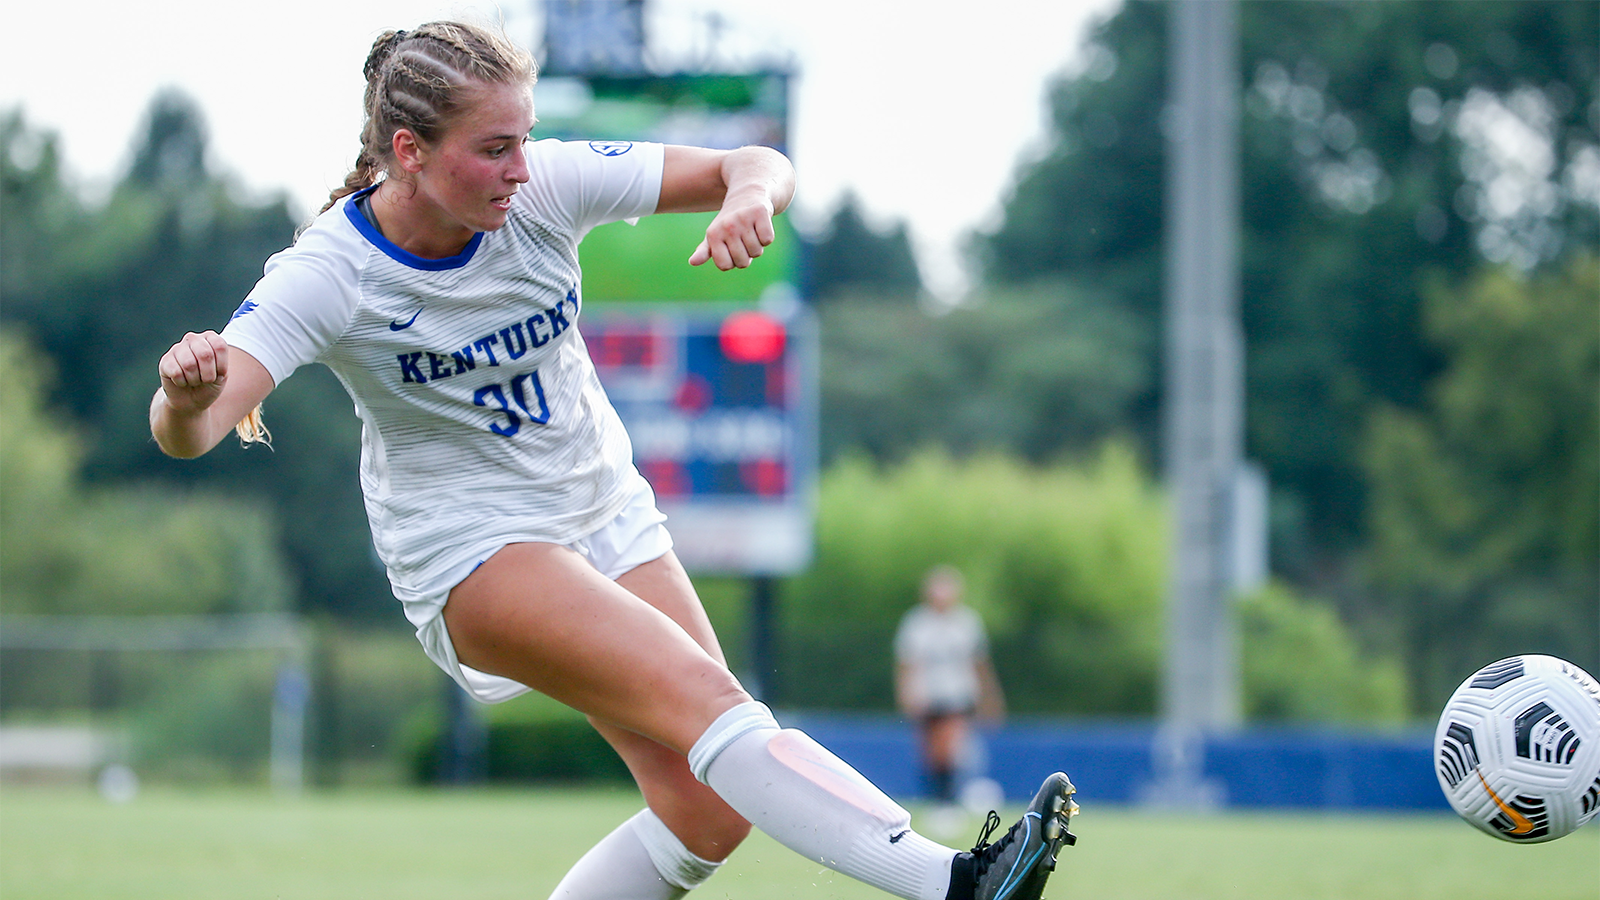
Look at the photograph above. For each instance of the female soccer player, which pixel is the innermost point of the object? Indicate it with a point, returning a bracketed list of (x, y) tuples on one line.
[(943, 676), (441, 285)]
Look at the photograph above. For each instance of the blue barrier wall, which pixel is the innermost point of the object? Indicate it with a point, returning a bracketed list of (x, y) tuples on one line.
[(1111, 763)]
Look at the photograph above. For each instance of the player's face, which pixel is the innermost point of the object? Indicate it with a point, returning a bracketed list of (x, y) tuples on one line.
[(472, 171), (942, 592)]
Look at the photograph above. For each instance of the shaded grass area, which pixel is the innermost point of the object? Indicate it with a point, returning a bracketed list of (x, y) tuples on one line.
[(65, 844)]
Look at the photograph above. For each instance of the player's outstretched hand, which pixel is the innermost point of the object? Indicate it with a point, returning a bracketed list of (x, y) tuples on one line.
[(740, 232), (193, 371)]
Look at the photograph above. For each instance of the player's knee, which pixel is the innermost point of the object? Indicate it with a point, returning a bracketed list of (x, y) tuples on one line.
[(728, 695), (717, 695), (681, 702)]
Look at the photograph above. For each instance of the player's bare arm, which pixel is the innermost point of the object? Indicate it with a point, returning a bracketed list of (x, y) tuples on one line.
[(206, 388), (747, 187), (908, 697), (991, 699)]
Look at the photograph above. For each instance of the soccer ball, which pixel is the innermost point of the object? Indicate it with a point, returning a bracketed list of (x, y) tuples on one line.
[(1517, 750)]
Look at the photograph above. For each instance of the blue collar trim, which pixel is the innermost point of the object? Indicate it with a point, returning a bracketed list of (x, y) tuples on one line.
[(403, 257)]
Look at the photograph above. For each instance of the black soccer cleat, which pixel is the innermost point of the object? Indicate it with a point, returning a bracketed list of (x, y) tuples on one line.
[(1017, 866)]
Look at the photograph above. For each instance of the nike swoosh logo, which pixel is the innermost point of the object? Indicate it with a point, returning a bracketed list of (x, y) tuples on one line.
[(1522, 824), (895, 839), (395, 326)]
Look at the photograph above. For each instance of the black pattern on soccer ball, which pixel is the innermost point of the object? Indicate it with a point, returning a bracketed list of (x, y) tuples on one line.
[(1543, 736), (1591, 798), (1458, 754), (1491, 677)]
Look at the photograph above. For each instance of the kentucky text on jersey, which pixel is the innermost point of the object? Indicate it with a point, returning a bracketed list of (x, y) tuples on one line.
[(512, 341)]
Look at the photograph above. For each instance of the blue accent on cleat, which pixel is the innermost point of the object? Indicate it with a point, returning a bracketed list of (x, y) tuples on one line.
[(1017, 865)]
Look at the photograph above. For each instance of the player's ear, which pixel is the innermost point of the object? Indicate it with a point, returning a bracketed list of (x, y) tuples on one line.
[(409, 152)]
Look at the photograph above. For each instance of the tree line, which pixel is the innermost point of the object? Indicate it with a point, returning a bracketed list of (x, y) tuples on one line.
[(1420, 184), (1420, 220)]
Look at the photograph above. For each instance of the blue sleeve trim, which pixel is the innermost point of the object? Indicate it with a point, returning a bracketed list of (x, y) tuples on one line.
[(405, 258)]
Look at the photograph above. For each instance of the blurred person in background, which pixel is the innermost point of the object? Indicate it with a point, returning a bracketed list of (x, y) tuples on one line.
[(441, 285), (943, 678)]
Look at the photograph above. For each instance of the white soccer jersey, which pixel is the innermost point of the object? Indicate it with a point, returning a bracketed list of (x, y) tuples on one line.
[(483, 422), (943, 650)]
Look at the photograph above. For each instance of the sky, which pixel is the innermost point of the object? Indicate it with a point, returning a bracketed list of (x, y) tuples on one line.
[(925, 117)]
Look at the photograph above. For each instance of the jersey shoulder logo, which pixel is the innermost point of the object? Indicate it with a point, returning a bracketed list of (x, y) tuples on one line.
[(611, 148), (244, 309)]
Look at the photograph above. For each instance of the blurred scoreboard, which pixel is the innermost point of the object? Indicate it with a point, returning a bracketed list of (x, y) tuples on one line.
[(719, 403), (714, 373)]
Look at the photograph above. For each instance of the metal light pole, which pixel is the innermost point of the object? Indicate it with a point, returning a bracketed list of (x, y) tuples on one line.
[(1203, 416)]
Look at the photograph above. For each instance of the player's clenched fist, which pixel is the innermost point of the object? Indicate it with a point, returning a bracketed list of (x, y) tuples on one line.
[(194, 370), (737, 235)]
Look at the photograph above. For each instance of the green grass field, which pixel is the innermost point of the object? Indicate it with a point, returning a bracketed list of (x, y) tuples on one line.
[(65, 844)]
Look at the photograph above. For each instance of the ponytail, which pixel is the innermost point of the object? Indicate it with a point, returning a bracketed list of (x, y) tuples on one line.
[(252, 429), (364, 175)]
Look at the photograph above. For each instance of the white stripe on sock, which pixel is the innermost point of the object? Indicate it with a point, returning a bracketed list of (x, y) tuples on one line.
[(729, 727), (672, 859)]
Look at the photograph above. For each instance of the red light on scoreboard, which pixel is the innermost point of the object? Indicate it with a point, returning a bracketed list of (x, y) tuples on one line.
[(752, 337), (765, 477), (694, 395), (667, 477), (628, 346)]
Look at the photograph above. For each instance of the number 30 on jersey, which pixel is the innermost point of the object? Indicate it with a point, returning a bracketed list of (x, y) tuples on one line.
[(495, 395)]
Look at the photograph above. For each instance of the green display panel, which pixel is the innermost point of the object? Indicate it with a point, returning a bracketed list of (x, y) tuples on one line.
[(649, 261)]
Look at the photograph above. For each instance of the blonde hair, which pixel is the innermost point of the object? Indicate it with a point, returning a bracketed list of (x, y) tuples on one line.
[(253, 430), (419, 80)]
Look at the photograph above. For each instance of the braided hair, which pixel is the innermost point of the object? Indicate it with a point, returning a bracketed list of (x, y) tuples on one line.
[(418, 80)]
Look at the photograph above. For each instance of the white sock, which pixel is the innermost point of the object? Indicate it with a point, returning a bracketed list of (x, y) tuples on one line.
[(640, 860), (815, 804)]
